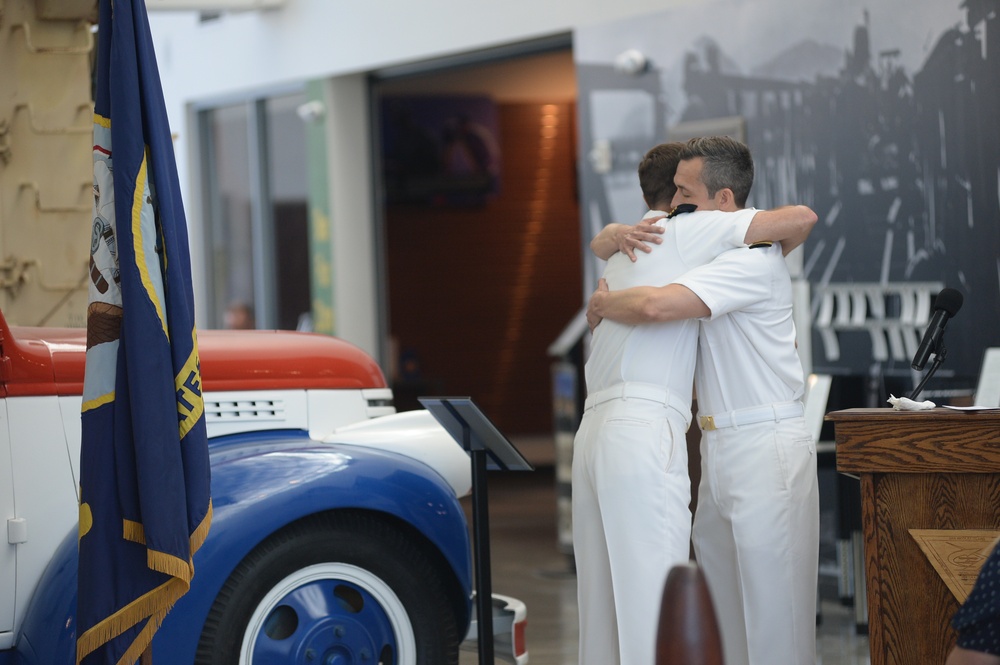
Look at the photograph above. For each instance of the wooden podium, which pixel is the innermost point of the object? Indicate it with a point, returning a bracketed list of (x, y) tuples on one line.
[(930, 501)]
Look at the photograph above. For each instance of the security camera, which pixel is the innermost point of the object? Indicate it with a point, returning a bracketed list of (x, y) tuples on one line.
[(631, 61), (310, 111)]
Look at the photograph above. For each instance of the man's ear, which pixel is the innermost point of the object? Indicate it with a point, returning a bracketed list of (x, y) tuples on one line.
[(725, 200)]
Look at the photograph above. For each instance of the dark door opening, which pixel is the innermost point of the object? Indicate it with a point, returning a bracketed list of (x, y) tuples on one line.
[(479, 287)]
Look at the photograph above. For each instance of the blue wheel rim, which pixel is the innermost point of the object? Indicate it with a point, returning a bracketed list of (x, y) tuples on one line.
[(320, 617)]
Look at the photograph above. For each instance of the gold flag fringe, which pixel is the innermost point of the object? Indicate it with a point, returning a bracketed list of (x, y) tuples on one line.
[(153, 605)]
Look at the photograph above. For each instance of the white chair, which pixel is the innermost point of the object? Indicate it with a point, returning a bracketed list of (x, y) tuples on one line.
[(988, 390), (814, 403)]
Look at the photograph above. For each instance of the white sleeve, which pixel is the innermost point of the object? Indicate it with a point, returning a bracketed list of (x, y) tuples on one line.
[(704, 234), (735, 280)]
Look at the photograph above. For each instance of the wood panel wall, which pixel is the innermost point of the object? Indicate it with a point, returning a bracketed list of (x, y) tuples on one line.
[(477, 294)]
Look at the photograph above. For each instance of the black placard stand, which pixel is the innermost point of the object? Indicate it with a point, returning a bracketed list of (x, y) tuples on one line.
[(489, 450)]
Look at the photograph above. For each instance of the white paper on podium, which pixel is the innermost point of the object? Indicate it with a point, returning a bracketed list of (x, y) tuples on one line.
[(971, 408)]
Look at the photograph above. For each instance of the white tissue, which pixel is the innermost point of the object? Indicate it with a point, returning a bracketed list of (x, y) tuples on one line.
[(907, 404)]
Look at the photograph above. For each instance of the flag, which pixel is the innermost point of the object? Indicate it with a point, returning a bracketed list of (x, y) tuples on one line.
[(145, 504)]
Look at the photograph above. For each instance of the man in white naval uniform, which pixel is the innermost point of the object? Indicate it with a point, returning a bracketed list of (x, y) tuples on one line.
[(631, 492), (756, 527)]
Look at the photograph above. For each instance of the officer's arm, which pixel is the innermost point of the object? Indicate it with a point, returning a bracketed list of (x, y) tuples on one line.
[(960, 656), (645, 304), (789, 224), (625, 238)]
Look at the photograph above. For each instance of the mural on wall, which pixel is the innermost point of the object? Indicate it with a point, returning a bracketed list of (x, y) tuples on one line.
[(882, 118)]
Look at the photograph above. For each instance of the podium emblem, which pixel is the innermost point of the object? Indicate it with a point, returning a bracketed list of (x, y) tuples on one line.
[(956, 555)]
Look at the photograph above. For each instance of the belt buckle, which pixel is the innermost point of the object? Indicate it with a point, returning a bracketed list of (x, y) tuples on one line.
[(707, 422)]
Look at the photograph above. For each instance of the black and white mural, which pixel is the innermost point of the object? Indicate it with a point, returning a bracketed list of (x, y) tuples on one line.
[(884, 118)]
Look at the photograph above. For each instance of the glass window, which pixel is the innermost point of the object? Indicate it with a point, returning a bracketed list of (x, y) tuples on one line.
[(289, 186), (256, 212)]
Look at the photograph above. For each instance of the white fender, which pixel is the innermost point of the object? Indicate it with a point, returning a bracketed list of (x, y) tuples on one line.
[(415, 434)]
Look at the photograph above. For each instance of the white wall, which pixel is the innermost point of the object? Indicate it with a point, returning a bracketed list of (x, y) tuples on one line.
[(265, 51), (316, 38)]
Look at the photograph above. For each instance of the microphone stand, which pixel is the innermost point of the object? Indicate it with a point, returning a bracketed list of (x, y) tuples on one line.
[(939, 354)]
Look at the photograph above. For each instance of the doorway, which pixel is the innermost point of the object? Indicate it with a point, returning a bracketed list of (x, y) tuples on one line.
[(483, 265)]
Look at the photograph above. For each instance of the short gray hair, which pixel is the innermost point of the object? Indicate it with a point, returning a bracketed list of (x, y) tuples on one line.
[(726, 163)]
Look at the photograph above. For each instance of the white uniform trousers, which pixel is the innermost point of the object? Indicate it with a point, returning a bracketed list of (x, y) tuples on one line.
[(631, 524), (756, 537)]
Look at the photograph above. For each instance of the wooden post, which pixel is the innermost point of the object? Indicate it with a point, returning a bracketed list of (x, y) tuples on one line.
[(688, 633)]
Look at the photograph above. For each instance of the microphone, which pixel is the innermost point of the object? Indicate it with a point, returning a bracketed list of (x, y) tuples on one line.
[(946, 304)]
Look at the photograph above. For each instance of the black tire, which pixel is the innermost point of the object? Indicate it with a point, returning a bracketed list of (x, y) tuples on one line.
[(342, 587)]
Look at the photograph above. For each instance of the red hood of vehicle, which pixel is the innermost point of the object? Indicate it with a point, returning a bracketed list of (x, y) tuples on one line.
[(50, 361)]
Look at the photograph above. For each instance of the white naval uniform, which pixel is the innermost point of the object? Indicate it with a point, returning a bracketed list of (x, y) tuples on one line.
[(756, 527), (631, 492)]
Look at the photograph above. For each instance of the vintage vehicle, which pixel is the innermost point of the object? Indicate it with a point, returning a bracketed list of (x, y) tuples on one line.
[(338, 535)]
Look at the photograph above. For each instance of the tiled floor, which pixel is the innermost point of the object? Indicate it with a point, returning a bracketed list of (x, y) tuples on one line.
[(528, 565)]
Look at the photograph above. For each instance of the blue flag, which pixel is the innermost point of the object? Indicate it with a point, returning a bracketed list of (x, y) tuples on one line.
[(145, 504)]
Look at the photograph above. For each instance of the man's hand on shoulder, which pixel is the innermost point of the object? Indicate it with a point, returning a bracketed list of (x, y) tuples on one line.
[(593, 318), (626, 238), (640, 237)]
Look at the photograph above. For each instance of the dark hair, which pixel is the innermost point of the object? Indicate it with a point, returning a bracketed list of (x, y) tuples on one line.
[(656, 173), (727, 163)]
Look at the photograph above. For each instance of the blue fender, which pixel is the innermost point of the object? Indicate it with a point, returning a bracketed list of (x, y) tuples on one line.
[(261, 482), (48, 634)]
